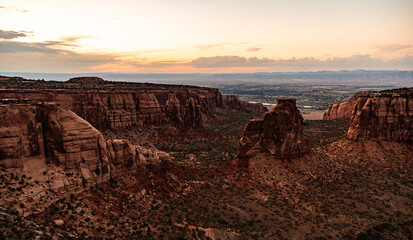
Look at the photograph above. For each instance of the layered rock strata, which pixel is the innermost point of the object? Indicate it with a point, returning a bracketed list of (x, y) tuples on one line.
[(279, 134), (107, 107), (62, 152), (341, 111), (383, 116), (188, 115)]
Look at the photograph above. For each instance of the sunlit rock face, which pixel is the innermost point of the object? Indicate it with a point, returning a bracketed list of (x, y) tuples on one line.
[(279, 134), (384, 116), (60, 153), (341, 111)]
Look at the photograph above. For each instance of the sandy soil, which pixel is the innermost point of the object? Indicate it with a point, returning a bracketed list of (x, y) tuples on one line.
[(312, 114)]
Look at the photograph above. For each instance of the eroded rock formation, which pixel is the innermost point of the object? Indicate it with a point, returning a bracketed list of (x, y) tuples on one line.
[(341, 111), (173, 109), (279, 134), (384, 116), (62, 152), (121, 106), (193, 113)]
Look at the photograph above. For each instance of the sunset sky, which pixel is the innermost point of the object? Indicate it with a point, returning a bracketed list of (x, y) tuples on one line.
[(179, 36)]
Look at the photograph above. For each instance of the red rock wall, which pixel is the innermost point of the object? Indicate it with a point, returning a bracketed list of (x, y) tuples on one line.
[(62, 152), (341, 111), (279, 134), (120, 110), (382, 116)]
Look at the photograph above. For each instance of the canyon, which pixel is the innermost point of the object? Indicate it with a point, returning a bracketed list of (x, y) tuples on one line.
[(72, 166)]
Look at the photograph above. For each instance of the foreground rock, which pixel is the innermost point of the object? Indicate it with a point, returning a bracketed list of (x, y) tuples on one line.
[(59, 153), (279, 134)]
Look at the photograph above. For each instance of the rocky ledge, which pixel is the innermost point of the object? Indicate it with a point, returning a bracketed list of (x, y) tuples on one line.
[(279, 134)]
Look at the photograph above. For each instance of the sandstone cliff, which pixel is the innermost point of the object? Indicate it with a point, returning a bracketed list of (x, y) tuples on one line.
[(341, 111), (279, 134), (61, 152), (120, 106), (384, 115)]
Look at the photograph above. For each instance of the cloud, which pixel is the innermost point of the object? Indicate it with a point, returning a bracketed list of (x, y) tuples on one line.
[(229, 61), (304, 64), (44, 62), (158, 51), (56, 56), (206, 47), (41, 47), (53, 56), (13, 9), (71, 39), (11, 34), (393, 47), (253, 49), (48, 55)]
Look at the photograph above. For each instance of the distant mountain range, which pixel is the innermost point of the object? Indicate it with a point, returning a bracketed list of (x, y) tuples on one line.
[(357, 77)]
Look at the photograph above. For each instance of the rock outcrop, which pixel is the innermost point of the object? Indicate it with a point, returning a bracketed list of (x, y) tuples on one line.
[(279, 134), (192, 113), (341, 111), (122, 106), (233, 102), (383, 116), (173, 109), (62, 152)]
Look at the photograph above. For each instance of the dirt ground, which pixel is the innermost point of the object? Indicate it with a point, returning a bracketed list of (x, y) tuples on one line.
[(312, 114)]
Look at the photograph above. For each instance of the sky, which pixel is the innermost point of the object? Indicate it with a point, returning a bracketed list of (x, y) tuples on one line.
[(214, 36)]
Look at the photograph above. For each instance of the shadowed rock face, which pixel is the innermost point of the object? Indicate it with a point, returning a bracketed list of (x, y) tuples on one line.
[(173, 109), (233, 102), (279, 134), (65, 153), (382, 116), (188, 115)]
